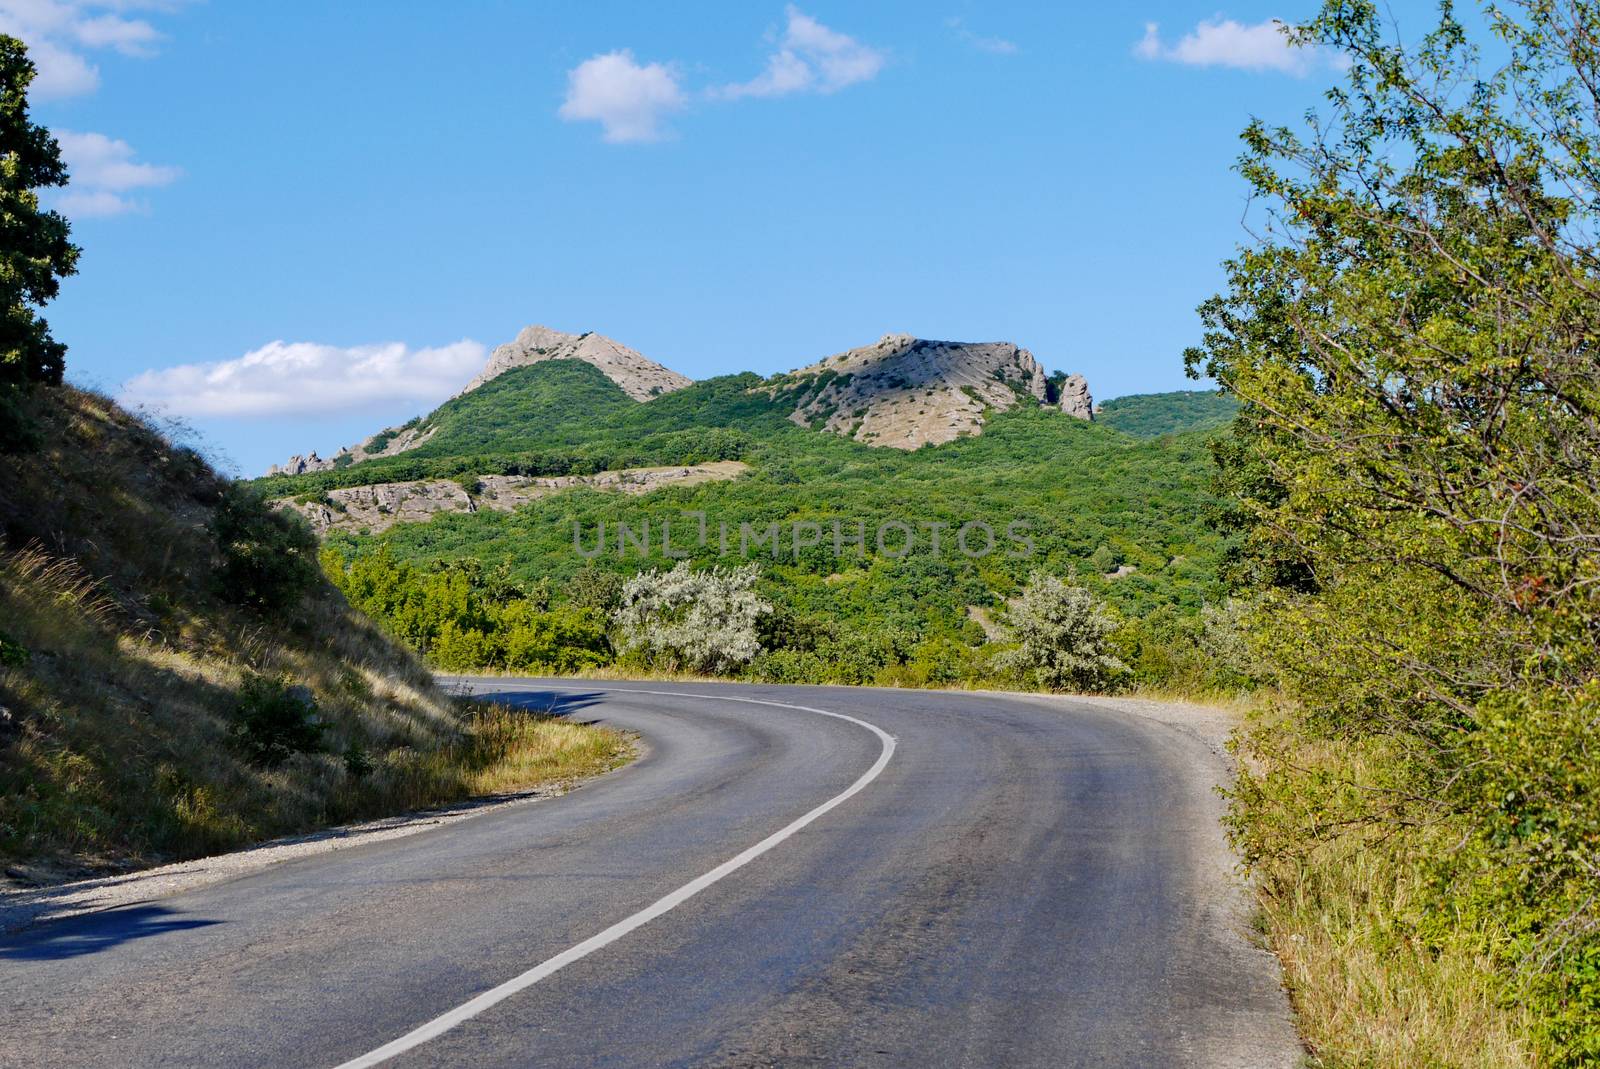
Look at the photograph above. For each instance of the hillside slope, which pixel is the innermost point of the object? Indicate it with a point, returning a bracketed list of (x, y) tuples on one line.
[(637, 376), (1150, 415), (176, 675)]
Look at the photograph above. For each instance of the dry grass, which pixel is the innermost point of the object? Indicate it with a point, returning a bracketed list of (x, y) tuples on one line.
[(124, 660), (512, 750), (1367, 991)]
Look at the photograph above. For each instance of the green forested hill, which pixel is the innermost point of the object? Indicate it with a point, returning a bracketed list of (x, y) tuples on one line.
[(564, 417), (1150, 415), (1122, 514)]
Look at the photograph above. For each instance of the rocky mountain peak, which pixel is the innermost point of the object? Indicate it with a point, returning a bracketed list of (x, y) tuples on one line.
[(640, 377), (904, 391)]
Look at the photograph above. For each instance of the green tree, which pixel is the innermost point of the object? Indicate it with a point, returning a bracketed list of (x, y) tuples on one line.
[(34, 251), (1416, 470)]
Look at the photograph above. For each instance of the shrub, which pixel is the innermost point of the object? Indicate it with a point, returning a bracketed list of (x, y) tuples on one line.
[(1063, 637), (276, 721), (268, 557), (597, 589), (19, 432), (561, 640), (787, 666), (13, 654), (701, 621), (358, 762)]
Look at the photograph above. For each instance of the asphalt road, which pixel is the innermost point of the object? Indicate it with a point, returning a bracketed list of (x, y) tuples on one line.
[(1014, 882)]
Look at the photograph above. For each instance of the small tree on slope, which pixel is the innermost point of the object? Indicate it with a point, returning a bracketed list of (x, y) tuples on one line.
[(34, 251)]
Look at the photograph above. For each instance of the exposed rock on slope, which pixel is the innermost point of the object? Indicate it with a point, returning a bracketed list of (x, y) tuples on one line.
[(386, 443), (1075, 399), (379, 507), (906, 392), (639, 377)]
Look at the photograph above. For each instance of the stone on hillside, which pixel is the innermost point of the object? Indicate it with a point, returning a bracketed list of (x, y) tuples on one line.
[(1075, 399), (299, 465)]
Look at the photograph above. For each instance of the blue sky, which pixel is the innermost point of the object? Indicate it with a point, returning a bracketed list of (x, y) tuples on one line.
[(388, 189)]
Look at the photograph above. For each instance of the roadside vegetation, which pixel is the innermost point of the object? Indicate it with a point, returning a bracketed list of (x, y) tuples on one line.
[(1053, 634), (177, 676), (1415, 474)]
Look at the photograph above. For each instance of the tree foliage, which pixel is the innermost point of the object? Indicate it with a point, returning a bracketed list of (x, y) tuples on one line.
[(268, 557), (1417, 465), (463, 616), (34, 251)]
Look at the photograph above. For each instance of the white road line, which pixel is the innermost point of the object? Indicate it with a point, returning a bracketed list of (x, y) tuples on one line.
[(467, 1010)]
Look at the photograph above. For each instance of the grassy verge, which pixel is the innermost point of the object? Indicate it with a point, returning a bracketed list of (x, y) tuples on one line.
[(504, 750), (1374, 985)]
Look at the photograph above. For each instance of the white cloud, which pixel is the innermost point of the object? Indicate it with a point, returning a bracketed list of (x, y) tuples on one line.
[(995, 46), (1223, 42), (284, 378), (810, 58), (102, 170), (92, 204), (628, 100), (60, 73), (59, 33), (131, 37)]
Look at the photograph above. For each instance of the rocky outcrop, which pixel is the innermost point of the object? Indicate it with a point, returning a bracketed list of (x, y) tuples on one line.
[(639, 377), (907, 392), (386, 443), (1075, 399), (299, 465), (379, 507)]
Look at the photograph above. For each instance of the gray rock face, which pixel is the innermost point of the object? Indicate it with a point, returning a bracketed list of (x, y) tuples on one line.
[(905, 392), (1075, 399), (639, 377), (299, 465), (394, 440), (381, 506)]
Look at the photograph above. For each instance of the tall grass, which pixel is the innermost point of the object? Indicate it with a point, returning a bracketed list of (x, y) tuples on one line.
[(1373, 985)]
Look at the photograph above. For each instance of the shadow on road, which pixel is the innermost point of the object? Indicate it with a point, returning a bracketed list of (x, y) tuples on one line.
[(548, 702), (90, 934)]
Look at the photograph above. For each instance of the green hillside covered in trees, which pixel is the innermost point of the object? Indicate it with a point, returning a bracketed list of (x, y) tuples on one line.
[(1036, 491)]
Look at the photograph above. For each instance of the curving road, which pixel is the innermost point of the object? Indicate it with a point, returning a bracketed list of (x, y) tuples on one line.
[(1010, 882)]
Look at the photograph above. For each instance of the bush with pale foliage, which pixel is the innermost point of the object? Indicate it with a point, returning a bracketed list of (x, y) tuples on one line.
[(1063, 637), (695, 621)]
